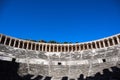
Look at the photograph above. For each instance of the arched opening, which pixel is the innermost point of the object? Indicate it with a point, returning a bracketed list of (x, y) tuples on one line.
[(119, 37), (115, 40), (16, 43), (89, 45), (81, 46), (47, 48), (77, 47), (21, 44), (97, 43), (12, 42), (7, 41), (33, 46), (93, 44), (2, 39), (73, 47), (106, 43), (40, 47), (110, 41), (51, 48), (43, 47), (66, 48), (25, 45), (62, 48), (55, 48), (85, 46), (29, 46), (70, 49), (58, 48), (37, 46), (101, 43)]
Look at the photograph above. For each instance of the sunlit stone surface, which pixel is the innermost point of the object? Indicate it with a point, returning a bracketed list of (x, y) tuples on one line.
[(61, 60)]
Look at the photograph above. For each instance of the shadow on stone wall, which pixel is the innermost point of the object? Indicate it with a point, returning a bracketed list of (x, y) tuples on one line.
[(8, 71)]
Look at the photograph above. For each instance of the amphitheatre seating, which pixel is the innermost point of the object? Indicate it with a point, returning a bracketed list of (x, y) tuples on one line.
[(61, 61)]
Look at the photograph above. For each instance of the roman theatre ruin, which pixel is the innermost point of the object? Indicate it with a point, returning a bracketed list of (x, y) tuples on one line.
[(60, 60)]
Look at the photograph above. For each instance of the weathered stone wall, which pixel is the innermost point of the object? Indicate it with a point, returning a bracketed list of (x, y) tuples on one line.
[(60, 64)]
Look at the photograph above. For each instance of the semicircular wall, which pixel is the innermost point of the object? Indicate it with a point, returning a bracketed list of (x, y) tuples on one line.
[(50, 47), (59, 60)]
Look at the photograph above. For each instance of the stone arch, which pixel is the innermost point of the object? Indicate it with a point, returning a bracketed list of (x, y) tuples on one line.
[(73, 47), (119, 38), (44, 47), (21, 44), (37, 47), (25, 45), (33, 46), (16, 43), (40, 47), (59, 48), (62, 48), (7, 41), (98, 45), (70, 48), (3, 39), (115, 40), (55, 48), (106, 42), (66, 47), (93, 45), (81, 46), (85, 46), (101, 43), (89, 46), (77, 47), (12, 42), (110, 41), (29, 45), (51, 48), (47, 48)]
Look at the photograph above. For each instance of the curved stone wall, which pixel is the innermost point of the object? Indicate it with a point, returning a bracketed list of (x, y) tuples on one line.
[(47, 47), (60, 60)]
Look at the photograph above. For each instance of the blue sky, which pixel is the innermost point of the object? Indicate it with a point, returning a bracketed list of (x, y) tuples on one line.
[(60, 20)]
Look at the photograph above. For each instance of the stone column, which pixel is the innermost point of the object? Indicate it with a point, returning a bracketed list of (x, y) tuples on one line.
[(49, 48), (46, 48), (18, 43), (108, 42), (117, 39), (68, 48), (76, 47), (79, 47), (87, 46), (14, 42), (95, 45), (64, 48), (10, 42), (83, 46), (103, 43), (99, 44), (113, 41), (23, 44), (5, 40), (0, 37), (39, 47)]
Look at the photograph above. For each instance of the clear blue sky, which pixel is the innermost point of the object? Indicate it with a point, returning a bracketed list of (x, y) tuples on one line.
[(60, 20)]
